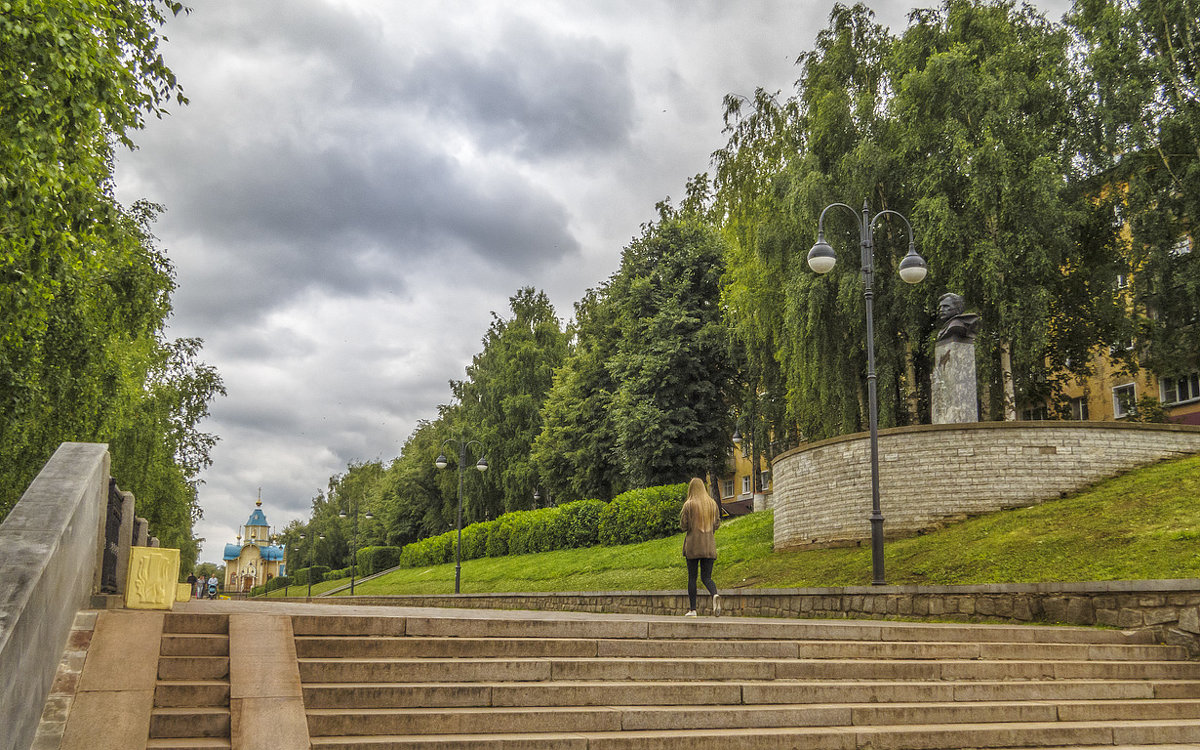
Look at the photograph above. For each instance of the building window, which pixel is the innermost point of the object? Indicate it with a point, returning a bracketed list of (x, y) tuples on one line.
[(1035, 413), (746, 488), (1122, 280), (1182, 247), (1124, 400), (764, 479), (1180, 390), (726, 488), (1079, 409)]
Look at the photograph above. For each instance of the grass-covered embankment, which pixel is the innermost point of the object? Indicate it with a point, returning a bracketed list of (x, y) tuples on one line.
[(1145, 524)]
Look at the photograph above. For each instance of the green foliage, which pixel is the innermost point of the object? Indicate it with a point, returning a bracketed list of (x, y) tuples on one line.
[(500, 401), (84, 292), (278, 582), (639, 515), (433, 550), (581, 522), (672, 367), (316, 572), (337, 575), (575, 452), (1143, 525), (375, 559), (1141, 116)]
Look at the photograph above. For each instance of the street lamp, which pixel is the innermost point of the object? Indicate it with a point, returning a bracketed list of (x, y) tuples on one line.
[(821, 259), (354, 544), (320, 537), (442, 463)]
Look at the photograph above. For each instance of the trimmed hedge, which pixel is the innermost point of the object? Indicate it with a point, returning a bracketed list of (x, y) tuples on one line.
[(375, 559), (634, 516), (318, 575), (335, 575), (641, 515)]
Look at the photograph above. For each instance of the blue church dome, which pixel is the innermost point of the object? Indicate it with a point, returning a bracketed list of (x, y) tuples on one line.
[(271, 553), (257, 518), (232, 551)]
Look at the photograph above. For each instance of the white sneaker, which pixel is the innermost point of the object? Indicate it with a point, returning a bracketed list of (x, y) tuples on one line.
[(690, 613), (716, 605)]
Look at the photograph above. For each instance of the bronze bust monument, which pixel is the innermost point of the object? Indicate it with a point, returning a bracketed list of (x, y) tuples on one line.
[(956, 324)]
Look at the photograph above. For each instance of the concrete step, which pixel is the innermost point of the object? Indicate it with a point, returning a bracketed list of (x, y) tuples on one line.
[(189, 722), (532, 670), (934, 737), (327, 722), (194, 622), (195, 644), (188, 743), (212, 693), (501, 626), (707, 693), (324, 647), (191, 668)]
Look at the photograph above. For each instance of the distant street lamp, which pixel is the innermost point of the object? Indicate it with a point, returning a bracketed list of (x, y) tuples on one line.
[(320, 537), (354, 545), (821, 259), (462, 443)]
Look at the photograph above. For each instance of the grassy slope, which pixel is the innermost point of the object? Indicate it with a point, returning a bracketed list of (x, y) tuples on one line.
[(1145, 524)]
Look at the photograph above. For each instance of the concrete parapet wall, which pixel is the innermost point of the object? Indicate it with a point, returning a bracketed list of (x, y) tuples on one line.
[(49, 545), (930, 473)]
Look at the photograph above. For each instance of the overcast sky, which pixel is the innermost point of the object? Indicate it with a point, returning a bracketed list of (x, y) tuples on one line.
[(357, 184)]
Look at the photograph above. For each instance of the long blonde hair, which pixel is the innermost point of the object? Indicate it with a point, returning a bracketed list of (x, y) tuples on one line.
[(703, 507)]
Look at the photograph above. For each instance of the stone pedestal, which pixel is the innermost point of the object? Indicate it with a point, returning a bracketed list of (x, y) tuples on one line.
[(955, 393)]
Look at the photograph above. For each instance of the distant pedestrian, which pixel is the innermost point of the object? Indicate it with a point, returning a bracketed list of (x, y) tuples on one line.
[(192, 582), (212, 586), (700, 517)]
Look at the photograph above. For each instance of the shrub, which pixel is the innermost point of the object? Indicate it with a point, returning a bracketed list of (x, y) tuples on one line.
[(317, 571), (433, 550), (580, 523), (335, 575), (375, 559), (497, 541), (277, 582), (474, 540), (639, 515)]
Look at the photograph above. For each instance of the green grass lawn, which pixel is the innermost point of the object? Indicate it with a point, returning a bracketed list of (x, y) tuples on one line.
[(1145, 524)]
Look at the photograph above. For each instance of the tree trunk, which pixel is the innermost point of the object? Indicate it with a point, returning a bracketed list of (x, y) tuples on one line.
[(911, 387), (1006, 378)]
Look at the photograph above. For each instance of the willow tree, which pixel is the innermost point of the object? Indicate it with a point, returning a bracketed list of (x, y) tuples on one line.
[(804, 336), (84, 291), (1142, 111), (985, 131)]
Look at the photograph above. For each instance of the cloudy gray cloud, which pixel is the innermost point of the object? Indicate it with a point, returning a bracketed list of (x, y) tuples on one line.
[(357, 185)]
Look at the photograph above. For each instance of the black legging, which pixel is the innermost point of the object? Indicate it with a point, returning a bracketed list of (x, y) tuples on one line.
[(705, 564)]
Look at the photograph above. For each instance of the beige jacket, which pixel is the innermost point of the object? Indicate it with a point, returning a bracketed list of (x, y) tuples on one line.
[(698, 544)]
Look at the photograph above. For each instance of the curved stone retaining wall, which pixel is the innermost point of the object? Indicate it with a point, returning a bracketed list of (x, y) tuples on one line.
[(931, 473)]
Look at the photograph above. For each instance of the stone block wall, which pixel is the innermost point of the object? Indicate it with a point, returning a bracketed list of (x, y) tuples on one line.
[(930, 473), (1170, 607)]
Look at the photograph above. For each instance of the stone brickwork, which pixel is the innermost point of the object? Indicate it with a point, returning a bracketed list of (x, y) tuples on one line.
[(1170, 607), (931, 473)]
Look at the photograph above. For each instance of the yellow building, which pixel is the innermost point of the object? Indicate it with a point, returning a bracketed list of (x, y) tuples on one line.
[(741, 491), (1112, 394), (253, 560)]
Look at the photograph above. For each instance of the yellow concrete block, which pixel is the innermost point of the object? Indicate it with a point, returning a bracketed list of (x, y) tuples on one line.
[(153, 572), (183, 592)]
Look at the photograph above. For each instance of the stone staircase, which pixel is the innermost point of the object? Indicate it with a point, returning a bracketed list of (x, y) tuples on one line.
[(191, 696), (510, 681)]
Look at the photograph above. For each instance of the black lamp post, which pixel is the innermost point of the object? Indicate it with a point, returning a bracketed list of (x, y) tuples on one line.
[(912, 269), (320, 537), (354, 544), (442, 463)]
